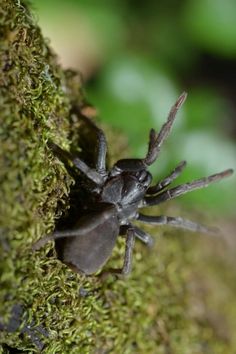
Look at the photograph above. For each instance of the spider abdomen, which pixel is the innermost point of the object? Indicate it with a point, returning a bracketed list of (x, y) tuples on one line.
[(86, 253)]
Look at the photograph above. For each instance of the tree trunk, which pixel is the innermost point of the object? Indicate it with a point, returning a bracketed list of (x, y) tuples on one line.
[(180, 295)]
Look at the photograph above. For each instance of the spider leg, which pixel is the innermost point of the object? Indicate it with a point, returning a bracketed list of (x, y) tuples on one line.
[(126, 269), (85, 225), (92, 174), (102, 150), (167, 180), (154, 146), (140, 234), (143, 236), (132, 232), (102, 144), (129, 245), (177, 222), (185, 188), (156, 140)]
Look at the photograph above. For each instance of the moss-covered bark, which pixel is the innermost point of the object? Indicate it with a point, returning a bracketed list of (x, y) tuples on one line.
[(180, 296)]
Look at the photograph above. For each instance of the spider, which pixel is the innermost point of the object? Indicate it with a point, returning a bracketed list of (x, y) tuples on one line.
[(115, 198)]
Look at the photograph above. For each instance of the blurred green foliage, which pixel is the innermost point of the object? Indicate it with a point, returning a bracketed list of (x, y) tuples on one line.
[(211, 25), (137, 57)]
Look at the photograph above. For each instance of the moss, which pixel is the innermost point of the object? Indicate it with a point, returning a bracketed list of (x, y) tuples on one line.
[(180, 295)]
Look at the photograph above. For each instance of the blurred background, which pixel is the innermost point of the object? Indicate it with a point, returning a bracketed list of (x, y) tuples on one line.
[(137, 57)]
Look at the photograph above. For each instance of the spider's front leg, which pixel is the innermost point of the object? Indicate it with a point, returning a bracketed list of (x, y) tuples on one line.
[(167, 180), (175, 192), (185, 188), (154, 145), (156, 140)]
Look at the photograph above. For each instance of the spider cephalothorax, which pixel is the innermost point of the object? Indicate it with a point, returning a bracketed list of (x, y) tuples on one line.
[(116, 197)]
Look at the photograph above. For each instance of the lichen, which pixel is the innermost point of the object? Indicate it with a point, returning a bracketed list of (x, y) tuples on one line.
[(180, 296)]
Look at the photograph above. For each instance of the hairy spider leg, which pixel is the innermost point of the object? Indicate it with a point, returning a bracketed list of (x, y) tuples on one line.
[(177, 222), (102, 143), (143, 236), (129, 245), (154, 145), (86, 225), (127, 264), (156, 140), (102, 150), (90, 173), (131, 233), (140, 234), (167, 180), (185, 188)]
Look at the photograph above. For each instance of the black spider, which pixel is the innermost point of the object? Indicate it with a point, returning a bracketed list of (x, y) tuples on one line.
[(114, 202)]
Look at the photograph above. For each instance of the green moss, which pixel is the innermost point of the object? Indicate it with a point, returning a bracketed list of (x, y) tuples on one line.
[(180, 297)]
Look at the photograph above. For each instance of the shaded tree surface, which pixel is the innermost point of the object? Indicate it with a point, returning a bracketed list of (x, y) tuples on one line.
[(180, 297)]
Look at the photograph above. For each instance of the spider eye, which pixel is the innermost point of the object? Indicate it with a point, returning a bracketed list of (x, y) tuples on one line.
[(144, 177), (141, 175)]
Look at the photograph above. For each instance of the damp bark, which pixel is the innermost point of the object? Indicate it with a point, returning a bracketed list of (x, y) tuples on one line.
[(180, 297)]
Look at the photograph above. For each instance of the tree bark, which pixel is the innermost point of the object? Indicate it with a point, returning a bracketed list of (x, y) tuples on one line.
[(180, 295)]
